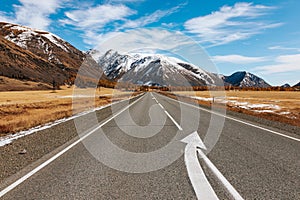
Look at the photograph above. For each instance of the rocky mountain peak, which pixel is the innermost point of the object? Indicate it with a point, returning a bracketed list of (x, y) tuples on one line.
[(297, 85), (286, 85), (152, 69), (245, 79)]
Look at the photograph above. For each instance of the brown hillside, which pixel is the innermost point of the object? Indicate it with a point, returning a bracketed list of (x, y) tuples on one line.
[(22, 64), (43, 44)]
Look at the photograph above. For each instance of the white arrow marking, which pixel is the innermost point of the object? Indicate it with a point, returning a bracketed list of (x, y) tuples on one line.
[(220, 176), (197, 177), (199, 181)]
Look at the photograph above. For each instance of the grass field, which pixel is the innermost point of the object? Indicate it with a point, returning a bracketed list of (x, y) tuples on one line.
[(21, 110), (281, 106), (10, 84)]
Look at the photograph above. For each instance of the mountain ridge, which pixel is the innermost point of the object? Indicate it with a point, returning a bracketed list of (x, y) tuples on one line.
[(286, 85), (126, 67), (41, 56), (245, 79), (22, 64), (35, 55), (43, 44), (297, 85), (152, 69)]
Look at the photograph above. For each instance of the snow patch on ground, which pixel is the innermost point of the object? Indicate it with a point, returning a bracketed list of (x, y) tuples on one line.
[(264, 111), (203, 98), (10, 138), (285, 113), (82, 96), (260, 108)]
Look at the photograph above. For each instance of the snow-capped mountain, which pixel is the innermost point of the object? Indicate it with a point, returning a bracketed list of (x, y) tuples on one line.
[(29, 54), (114, 64), (245, 79), (40, 56), (286, 85), (297, 85), (43, 44), (152, 69)]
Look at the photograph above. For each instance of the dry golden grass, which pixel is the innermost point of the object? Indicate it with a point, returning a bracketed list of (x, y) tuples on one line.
[(17, 97), (288, 101), (288, 95), (23, 110), (10, 84)]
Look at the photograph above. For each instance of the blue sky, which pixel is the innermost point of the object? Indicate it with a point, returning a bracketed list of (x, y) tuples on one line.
[(259, 36)]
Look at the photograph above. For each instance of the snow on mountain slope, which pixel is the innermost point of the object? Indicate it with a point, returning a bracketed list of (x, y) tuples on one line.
[(152, 69), (27, 34), (43, 44), (297, 85), (114, 64), (245, 79)]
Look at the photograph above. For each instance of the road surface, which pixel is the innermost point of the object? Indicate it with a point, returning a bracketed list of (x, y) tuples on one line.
[(257, 161)]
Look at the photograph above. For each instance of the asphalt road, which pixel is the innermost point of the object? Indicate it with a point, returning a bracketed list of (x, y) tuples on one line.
[(136, 153)]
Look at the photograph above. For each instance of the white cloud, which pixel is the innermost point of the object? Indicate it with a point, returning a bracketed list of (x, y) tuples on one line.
[(123, 1), (283, 48), (105, 21), (97, 17), (230, 23), (283, 63), (238, 59), (32, 13), (155, 40), (5, 18), (149, 19), (94, 21), (142, 39), (92, 38), (168, 25)]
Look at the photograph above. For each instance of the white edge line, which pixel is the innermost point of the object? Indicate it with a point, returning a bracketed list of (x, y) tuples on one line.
[(38, 168), (237, 120), (10, 138), (220, 176), (15, 136)]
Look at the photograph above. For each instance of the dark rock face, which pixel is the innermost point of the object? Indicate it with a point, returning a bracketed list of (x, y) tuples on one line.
[(245, 79)]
